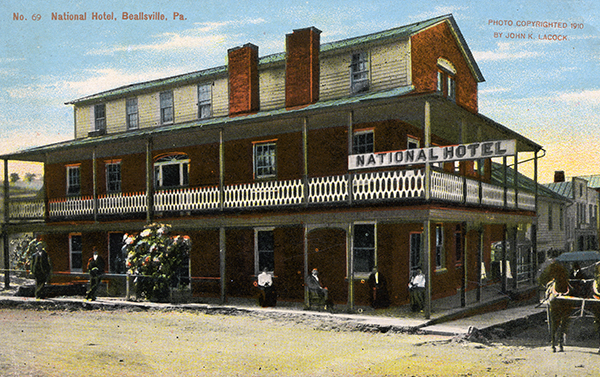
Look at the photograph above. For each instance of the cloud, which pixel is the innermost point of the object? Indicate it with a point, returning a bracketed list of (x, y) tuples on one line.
[(206, 35), (29, 138), (494, 90), (590, 97)]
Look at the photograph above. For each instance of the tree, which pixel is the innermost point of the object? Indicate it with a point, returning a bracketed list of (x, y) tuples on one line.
[(155, 259), (14, 177), (29, 177)]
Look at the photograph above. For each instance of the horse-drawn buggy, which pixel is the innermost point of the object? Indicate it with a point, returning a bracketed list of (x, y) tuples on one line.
[(572, 290)]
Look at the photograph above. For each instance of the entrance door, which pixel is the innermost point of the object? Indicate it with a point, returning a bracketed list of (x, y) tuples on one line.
[(115, 254)]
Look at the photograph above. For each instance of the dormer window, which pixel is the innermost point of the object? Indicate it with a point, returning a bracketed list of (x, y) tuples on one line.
[(359, 72), (166, 107), (100, 117), (131, 109), (446, 74), (204, 100)]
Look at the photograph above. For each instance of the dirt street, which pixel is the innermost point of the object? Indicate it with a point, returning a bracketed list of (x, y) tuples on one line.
[(161, 343)]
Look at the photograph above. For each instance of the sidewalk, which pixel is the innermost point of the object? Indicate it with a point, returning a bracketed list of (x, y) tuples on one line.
[(447, 316)]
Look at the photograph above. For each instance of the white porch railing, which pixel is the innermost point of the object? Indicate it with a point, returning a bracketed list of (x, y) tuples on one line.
[(27, 209), (71, 207), (328, 189), (388, 185), (190, 199), (384, 185), (122, 203), (264, 194)]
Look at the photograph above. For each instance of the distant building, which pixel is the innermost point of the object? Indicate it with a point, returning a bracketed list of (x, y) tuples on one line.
[(581, 216), (342, 156)]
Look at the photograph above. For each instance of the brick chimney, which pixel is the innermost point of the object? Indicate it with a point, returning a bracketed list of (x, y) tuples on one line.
[(559, 176), (302, 67), (243, 80)]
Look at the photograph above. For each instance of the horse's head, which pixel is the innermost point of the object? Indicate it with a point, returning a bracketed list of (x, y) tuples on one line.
[(558, 273)]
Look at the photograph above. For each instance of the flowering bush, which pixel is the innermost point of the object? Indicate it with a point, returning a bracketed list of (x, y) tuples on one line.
[(22, 252), (155, 258)]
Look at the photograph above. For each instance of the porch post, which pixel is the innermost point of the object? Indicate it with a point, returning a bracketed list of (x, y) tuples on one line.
[(534, 223), (149, 182), (350, 253), (513, 258), (306, 301), (504, 251), (427, 265), (516, 180), (505, 177), (480, 263), (5, 241), (221, 170), (305, 159), (222, 259), (350, 150), (465, 275), (427, 132), (95, 184)]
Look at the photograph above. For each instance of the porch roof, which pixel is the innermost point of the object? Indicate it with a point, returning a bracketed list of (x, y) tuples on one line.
[(446, 115)]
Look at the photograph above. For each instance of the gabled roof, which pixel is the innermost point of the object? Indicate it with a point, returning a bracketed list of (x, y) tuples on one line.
[(396, 33), (593, 180), (562, 188), (524, 182)]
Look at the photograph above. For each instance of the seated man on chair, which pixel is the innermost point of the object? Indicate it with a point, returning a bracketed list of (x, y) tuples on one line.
[(316, 290)]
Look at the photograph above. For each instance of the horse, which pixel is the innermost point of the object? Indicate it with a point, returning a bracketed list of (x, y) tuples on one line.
[(561, 302)]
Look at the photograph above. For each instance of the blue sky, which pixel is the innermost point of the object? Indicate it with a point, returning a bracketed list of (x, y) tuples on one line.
[(549, 91)]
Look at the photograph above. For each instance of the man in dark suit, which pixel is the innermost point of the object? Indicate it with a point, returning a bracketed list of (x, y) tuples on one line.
[(95, 268), (378, 290), (40, 268), (315, 288)]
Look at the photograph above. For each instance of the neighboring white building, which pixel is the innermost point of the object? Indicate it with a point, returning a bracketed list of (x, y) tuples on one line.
[(581, 217)]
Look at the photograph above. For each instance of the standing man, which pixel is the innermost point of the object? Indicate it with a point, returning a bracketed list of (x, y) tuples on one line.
[(95, 268), (41, 268), (268, 296), (417, 291), (378, 290)]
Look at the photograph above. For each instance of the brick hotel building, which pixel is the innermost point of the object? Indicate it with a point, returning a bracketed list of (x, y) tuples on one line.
[(254, 161)]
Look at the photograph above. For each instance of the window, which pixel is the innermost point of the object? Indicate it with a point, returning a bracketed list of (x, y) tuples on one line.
[(550, 225), (362, 142), (171, 170), (446, 74), (204, 100), (440, 255), (561, 219), (75, 248), (265, 160), (412, 142), (359, 72), (458, 245), (364, 248), (451, 86), (113, 176), (265, 250), (131, 110), (100, 117), (166, 107), (73, 180), (415, 251)]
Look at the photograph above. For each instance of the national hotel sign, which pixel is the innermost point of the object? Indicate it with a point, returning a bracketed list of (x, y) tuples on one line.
[(473, 151)]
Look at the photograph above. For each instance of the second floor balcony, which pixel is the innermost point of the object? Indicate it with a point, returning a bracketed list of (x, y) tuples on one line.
[(370, 188)]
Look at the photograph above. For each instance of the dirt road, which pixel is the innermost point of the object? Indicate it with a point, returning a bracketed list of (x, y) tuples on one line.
[(159, 343)]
